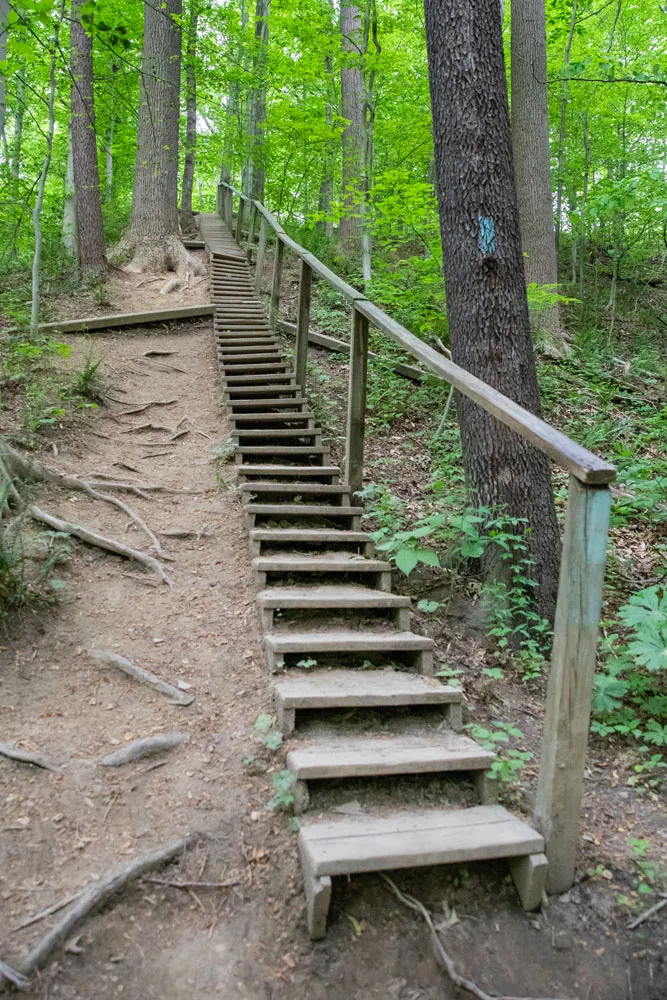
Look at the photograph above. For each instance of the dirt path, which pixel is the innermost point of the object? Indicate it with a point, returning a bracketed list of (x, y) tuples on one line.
[(60, 831)]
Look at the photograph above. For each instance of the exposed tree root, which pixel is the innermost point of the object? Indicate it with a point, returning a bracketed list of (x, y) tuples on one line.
[(143, 676), (157, 255), (13, 977), (26, 757), (144, 406), (93, 538), (146, 747), (92, 899)]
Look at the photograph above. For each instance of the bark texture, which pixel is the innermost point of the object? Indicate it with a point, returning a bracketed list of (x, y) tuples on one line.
[(484, 274), (4, 14), (69, 207), (88, 207), (187, 218), (253, 172), (153, 234), (353, 109)]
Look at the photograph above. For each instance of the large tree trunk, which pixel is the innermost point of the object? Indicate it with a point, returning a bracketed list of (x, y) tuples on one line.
[(69, 206), (484, 275), (254, 173), (530, 146), (89, 222), (187, 218), (4, 15), (353, 109), (152, 237)]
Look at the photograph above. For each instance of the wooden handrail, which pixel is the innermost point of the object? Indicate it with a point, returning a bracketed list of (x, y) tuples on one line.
[(581, 463)]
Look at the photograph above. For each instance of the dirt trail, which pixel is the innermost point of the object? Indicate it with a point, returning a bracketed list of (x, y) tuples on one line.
[(60, 831)]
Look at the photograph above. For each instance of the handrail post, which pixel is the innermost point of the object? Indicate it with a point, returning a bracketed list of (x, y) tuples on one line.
[(356, 406), (303, 320), (277, 279), (253, 225), (261, 251), (219, 199), (239, 219), (229, 210), (567, 713)]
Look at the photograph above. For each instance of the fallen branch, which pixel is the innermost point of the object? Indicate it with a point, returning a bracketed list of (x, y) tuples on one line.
[(194, 885), (144, 406), (26, 757), (47, 912), (460, 981), (144, 748), (150, 354), (92, 538), (646, 914), (144, 676), (94, 897)]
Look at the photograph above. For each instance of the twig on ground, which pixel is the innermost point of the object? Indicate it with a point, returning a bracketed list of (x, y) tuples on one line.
[(146, 427), (47, 912), (187, 532), (182, 884), (156, 454), (145, 747), (93, 538), (26, 757), (95, 896), (150, 354), (144, 676), (178, 434), (124, 465), (144, 406), (646, 914), (109, 807), (460, 981)]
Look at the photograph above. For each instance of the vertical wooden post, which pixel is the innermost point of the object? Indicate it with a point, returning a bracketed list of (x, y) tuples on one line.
[(239, 219), (219, 199), (356, 405), (253, 225), (261, 251), (567, 715), (302, 322), (229, 221), (277, 279)]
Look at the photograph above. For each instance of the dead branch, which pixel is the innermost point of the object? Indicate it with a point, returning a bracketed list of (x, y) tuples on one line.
[(146, 747), (25, 757), (150, 354), (646, 914), (177, 884), (47, 912), (144, 676), (465, 984), (144, 406), (95, 896), (93, 538)]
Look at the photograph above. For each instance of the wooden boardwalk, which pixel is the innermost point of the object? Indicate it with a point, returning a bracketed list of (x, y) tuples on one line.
[(312, 562)]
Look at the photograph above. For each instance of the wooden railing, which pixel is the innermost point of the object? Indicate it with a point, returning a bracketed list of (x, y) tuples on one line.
[(567, 715)]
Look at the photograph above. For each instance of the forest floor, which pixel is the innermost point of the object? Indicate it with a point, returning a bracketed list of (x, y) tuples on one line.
[(60, 831)]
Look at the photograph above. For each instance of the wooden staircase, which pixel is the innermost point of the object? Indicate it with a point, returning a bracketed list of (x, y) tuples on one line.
[(336, 638)]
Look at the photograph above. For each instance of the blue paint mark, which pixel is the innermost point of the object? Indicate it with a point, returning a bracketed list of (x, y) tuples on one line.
[(487, 236)]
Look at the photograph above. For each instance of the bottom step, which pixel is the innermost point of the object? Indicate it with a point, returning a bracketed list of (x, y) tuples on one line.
[(415, 839)]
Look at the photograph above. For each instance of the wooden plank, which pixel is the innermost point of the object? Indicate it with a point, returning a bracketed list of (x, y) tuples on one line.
[(363, 688), (303, 321), (582, 463), (239, 221), (125, 319), (349, 640), (573, 661), (252, 227), (228, 214), (275, 287), (261, 253), (356, 408)]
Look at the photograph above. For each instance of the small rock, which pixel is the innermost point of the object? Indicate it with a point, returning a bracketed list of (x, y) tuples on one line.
[(562, 941), (348, 808)]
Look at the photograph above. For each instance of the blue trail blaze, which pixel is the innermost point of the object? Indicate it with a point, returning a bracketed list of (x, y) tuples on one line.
[(487, 236)]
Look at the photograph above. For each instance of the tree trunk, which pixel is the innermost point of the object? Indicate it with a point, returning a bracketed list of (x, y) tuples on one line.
[(530, 146), (69, 206), (4, 15), (353, 109), (108, 191), (152, 237), (187, 218), (484, 275), (89, 222), (561, 131), (253, 171), (17, 138)]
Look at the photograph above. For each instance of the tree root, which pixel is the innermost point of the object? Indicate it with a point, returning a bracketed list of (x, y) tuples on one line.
[(94, 897), (143, 676), (138, 749), (144, 406), (92, 538), (25, 757), (150, 253)]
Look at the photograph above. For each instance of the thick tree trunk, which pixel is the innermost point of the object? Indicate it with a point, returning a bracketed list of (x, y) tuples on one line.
[(153, 236), (187, 218), (4, 15), (353, 109), (89, 222), (484, 274), (530, 146), (254, 172), (69, 206)]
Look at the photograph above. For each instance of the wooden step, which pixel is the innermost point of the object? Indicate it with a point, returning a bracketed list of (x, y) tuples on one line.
[(295, 489), (340, 562), (250, 369), (390, 753), (236, 347), (264, 393), (260, 380), (287, 417), (240, 405), (326, 689), (258, 358), (415, 839), (290, 471), (280, 644), (268, 433), (310, 536), (314, 598), (298, 511), (286, 450)]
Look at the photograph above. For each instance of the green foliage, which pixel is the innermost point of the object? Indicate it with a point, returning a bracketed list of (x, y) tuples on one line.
[(270, 736), (283, 784), (510, 761), (28, 563)]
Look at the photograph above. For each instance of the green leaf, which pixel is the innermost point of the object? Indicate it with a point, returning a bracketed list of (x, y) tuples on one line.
[(406, 560)]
